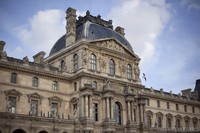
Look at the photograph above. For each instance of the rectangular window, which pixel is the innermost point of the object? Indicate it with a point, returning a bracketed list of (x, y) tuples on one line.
[(54, 109), (168, 105), (12, 104), (159, 122), (34, 107), (158, 103), (185, 108), (148, 102), (55, 86), (193, 110), (75, 86), (35, 82), (13, 78), (177, 107), (169, 122), (95, 112)]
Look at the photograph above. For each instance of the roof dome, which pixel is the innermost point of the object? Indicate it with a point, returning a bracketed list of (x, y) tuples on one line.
[(91, 30)]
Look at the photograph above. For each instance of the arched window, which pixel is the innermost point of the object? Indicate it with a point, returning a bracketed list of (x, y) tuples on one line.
[(129, 72), (94, 85), (13, 78), (112, 67), (55, 86), (62, 65), (19, 131), (75, 62), (93, 64), (178, 123), (35, 82), (149, 121), (186, 124), (117, 113)]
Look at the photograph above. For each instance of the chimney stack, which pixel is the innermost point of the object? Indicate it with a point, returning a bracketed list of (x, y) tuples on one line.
[(70, 26), (197, 88), (2, 44), (120, 30), (39, 57)]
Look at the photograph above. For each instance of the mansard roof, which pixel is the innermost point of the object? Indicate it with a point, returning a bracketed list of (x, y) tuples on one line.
[(92, 28)]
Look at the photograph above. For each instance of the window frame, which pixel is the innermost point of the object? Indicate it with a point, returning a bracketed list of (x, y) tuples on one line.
[(62, 65), (96, 111), (10, 102), (111, 67), (13, 78), (55, 86), (93, 62), (118, 113), (129, 72), (35, 82), (75, 64)]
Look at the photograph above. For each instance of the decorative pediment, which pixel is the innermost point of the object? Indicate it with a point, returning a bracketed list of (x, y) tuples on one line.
[(186, 118), (149, 113), (34, 96), (55, 99), (74, 100), (159, 114), (169, 115), (13, 92), (194, 119), (178, 116)]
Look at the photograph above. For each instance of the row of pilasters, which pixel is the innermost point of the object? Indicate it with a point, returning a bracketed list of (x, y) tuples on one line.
[(130, 111), (108, 104), (142, 112), (86, 104)]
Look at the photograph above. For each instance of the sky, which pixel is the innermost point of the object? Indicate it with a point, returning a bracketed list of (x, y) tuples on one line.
[(165, 34)]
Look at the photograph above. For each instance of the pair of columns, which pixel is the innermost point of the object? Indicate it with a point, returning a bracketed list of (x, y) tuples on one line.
[(108, 105), (130, 111), (142, 112), (86, 104)]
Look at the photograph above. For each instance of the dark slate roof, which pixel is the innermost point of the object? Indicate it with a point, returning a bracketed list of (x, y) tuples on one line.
[(91, 30)]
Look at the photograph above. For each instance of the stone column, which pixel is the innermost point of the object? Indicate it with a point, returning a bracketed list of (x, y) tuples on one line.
[(141, 113), (132, 112), (104, 107), (128, 111), (82, 106), (91, 106), (111, 106), (108, 108), (86, 105)]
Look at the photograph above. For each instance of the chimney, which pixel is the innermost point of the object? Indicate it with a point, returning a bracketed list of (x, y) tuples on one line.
[(2, 44), (120, 30), (70, 26), (39, 57), (197, 88)]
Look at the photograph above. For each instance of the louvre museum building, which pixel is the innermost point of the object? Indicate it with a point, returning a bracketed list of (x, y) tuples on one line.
[(89, 83)]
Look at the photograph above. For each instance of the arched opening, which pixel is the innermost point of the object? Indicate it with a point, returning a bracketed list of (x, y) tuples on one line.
[(112, 67), (93, 61), (19, 131), (117, 113), (43, 131)]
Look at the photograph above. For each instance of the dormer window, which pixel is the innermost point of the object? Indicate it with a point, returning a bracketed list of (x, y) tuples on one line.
[(112, 67)]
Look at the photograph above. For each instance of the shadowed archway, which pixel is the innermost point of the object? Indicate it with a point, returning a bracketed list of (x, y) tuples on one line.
[(19, 131)]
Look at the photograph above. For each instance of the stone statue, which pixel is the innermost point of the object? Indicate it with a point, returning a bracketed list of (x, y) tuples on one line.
[(137, 71), (54, 111), (33, 109)]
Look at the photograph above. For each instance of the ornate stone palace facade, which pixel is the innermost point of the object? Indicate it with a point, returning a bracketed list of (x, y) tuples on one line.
[(89, 83)]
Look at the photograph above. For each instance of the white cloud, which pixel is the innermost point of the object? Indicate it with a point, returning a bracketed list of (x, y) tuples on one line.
[(191, 4), (43, 30), (143, 22)]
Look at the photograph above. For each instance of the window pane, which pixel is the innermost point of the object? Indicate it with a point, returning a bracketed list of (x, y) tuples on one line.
[(93, 62), (35, 82), (55, 86), (34, 107), (12, 104), (95, 111), (117, 113), (112, 67), (129, 71), (54, 109), (62, 65), (75, 62), (14, 78)]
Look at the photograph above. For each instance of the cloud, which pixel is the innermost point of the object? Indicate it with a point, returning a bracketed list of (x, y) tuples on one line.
[(43, 30), (143, 22), (191, 4)]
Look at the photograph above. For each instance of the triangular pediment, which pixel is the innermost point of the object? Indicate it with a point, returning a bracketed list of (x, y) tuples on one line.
[(115, 45), (74, 100), (35, 95), (13, 92), (55, 98)]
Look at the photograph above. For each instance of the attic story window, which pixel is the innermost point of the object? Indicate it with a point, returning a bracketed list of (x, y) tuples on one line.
[(75, 58), (112, 67), (14, 78)]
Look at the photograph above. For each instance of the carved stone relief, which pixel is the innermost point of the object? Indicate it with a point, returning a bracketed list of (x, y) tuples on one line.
[(137, 71), (102, 62), (85, 57)]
